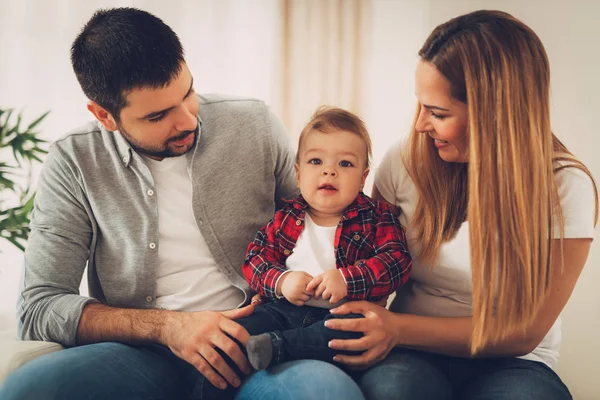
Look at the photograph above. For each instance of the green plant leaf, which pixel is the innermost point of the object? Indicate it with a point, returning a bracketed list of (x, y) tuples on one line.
[(25, 146), (37, 121)]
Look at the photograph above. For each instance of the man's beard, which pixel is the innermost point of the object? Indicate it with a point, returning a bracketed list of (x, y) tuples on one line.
[(162, 152)]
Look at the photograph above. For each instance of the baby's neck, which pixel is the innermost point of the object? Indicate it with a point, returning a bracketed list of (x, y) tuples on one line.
[(324, 219)]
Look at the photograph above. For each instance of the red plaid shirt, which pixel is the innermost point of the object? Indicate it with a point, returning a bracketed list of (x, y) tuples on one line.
[(370, 249)]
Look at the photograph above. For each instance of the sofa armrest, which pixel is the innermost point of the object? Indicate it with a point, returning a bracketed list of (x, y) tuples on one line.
[(15, 353)]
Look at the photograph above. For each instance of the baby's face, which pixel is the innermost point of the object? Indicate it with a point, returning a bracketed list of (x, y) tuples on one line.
[(331, 170)]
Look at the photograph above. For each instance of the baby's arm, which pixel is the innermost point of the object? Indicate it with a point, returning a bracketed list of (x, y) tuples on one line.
[(330, 285), (293, 286), (264, 264), (377, 277)]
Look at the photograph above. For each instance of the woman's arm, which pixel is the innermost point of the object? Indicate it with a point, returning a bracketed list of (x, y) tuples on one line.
[(383, 329)]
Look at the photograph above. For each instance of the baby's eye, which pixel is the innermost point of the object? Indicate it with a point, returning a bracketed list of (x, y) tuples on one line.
[(315, 161), (346, 164)]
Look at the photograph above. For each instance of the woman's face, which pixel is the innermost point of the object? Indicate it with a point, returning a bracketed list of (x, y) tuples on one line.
[(441, 117)]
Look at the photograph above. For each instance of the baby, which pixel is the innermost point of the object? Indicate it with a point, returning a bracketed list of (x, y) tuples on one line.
[(331, 244)]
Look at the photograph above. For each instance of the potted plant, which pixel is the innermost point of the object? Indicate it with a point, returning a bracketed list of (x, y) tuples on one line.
[(20, 149)]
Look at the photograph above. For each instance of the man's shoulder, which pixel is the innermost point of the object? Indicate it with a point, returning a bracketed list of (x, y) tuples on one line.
[(230, 103), (83, 135), (86, 145), (240, 118)]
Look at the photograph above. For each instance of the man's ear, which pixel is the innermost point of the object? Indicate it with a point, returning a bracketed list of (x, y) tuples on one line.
[(364, 178), (297, 169), (102, 115)]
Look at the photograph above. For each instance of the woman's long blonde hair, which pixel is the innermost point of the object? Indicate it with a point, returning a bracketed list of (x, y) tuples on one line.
[(507, 191)]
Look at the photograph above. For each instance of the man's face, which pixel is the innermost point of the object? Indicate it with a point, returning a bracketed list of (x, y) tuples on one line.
[(162, 122)]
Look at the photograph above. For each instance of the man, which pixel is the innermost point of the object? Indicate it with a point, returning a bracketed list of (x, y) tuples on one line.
[(159, 197)]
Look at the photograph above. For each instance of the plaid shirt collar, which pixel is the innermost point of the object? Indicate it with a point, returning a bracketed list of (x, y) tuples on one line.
[(361, 203)]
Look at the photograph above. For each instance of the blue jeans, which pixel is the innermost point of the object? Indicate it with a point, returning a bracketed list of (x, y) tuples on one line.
[(297, 333), (407, 375), (118, 371)]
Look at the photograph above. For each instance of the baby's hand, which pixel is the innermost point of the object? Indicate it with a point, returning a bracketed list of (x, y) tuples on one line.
[(292, 286), (330, 285)]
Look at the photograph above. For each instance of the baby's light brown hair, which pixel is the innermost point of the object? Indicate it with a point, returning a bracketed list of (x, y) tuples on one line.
[(328, 119)]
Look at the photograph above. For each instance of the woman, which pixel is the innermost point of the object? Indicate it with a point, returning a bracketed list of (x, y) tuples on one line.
[(483, 184)]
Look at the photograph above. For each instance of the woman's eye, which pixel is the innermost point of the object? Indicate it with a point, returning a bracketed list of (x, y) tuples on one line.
[(437, 116), (315, 161), (346, 164)]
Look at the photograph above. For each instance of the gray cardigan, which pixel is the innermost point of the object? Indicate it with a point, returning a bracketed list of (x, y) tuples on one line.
[(95, 206)]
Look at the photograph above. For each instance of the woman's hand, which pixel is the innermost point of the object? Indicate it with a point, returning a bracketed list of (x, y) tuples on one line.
[(378, 331)]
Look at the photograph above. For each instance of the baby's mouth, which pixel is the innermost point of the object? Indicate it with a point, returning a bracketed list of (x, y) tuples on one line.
[(327, 187)]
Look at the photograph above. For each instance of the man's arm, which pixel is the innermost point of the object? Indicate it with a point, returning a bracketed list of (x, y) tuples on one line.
[(56, 255), (192, 336)]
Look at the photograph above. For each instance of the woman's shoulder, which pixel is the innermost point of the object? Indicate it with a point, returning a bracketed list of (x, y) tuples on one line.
[(570, 179), (392, 176), (577, 195)]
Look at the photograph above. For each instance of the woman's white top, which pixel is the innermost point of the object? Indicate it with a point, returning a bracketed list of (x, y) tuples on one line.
[(445, 290)]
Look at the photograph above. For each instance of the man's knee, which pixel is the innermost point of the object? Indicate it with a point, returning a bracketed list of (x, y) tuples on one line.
[(299, 380), (36, 380), (103, 370)]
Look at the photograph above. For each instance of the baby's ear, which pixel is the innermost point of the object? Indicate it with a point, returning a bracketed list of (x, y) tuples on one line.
[(364, 178), (297, 169)]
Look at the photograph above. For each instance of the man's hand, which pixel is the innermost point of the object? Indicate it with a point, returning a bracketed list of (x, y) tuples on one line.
[(256, 299), (330, 285), (194, 336), (292, 286)]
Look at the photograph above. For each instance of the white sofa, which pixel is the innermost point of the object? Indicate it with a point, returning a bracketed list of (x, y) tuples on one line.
[(14, 353)]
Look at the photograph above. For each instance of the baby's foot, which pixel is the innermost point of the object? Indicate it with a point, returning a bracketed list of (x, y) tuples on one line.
[(260, 351)]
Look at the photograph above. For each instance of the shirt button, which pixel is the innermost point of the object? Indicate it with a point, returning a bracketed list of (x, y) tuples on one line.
[(152, 245), (356, 238), (150, 192), (298, 222), (286, 252), (149, 299), (125, 159)]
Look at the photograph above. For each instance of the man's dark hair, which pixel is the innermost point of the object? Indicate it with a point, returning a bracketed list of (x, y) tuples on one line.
[(121, 49)]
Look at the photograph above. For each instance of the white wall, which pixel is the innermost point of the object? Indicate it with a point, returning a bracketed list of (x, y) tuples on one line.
[(220, 36)]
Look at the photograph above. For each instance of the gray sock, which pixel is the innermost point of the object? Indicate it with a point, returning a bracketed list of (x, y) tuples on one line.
[(260, 351)]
